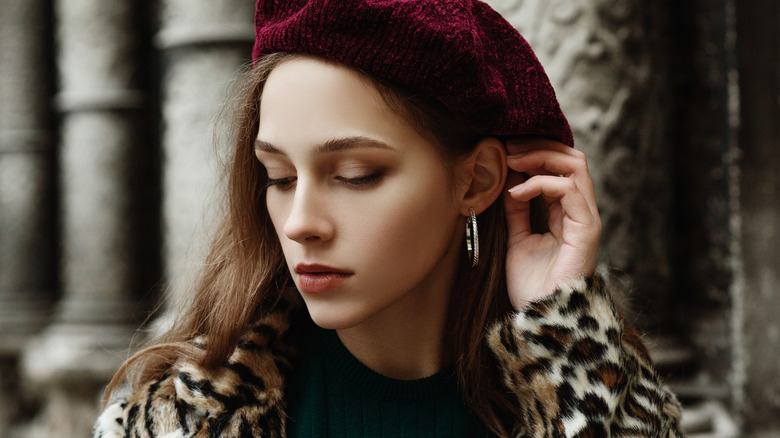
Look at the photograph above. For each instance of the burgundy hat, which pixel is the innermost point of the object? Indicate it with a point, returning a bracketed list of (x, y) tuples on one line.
[(460, 52)]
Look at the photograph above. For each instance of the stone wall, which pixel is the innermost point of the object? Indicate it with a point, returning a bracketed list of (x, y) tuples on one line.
[(758, 55), (103, 212)]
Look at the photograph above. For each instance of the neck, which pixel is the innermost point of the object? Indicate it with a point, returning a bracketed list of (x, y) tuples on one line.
[(402, 351)]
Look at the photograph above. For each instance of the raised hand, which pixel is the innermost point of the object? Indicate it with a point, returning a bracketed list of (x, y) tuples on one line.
[(538, 262)]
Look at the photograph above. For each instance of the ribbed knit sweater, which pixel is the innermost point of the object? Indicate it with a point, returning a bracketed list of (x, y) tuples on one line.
[(335, 395)]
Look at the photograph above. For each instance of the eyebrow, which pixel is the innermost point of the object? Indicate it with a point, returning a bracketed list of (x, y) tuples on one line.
[(333, 145)]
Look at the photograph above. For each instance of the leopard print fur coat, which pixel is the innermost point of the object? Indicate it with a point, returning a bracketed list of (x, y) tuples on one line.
[(564, 359)]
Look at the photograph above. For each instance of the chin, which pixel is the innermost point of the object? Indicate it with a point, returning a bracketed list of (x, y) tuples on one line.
[(334, 317), (333, 322)]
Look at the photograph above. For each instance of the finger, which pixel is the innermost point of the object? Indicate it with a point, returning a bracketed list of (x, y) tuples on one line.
[(518, 215), (521, 145), (548, 162), (562, 190), (554, 161)]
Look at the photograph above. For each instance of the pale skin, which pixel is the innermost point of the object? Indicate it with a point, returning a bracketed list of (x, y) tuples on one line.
[(354, 187), (538, 263)]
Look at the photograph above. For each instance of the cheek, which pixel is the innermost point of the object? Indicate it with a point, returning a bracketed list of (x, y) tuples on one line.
[(273, 211), (409, 227)]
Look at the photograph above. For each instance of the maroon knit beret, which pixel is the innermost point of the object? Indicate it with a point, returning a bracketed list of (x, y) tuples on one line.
[(460, 52)]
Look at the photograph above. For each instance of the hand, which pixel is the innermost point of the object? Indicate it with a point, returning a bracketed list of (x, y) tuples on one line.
[(537, 263)]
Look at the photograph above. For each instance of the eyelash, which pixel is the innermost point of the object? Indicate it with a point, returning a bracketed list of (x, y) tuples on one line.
[(282, 183), (362, 182)]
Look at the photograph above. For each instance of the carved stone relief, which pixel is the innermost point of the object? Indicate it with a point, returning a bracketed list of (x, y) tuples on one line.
[(603, 60)]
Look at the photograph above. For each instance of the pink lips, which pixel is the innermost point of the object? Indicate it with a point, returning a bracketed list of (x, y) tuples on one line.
[(317, 279)]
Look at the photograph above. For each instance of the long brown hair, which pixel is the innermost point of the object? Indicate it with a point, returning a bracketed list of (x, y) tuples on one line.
[(245, 273)]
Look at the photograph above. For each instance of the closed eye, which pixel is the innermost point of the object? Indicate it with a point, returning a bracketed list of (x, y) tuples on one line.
[(363, 182), (280, 183)]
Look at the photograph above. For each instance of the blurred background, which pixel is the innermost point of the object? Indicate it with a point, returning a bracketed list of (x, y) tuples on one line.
[(110, 172)]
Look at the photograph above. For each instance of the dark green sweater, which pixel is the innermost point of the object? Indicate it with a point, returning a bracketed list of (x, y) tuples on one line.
[(334, 395)]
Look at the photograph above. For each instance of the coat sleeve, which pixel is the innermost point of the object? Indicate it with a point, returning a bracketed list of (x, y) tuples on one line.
[(575, 374)]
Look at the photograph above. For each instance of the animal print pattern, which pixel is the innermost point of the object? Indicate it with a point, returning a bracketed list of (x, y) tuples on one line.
[(242, 398), (574, 375), (564, 358)]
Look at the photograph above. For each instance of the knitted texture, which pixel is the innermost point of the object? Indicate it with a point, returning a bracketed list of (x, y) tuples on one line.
[(460, 52), (333, 394)]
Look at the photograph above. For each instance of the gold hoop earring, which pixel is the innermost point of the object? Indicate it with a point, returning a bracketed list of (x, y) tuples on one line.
[(472, 238)]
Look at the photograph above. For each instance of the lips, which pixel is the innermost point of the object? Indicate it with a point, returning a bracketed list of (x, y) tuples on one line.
[(317, 279)]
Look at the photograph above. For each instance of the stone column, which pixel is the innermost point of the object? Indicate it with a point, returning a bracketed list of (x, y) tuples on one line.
[(104, 156), (202, 43), (28, 245)]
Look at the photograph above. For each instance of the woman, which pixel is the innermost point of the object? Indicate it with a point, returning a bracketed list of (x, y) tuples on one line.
[(372, 135)]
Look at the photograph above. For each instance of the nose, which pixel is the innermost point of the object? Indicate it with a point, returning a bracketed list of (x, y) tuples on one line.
[(308, 221)]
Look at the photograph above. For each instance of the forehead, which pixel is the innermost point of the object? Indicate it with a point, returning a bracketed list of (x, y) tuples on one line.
[(309, 101)]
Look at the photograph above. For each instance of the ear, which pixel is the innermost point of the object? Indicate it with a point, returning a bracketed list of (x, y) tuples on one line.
[(484, 173)]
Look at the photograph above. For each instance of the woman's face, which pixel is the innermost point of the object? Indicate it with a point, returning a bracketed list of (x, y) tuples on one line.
[(363, 206)]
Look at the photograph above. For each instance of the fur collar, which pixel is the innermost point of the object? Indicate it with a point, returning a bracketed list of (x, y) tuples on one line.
[(564, 358)]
